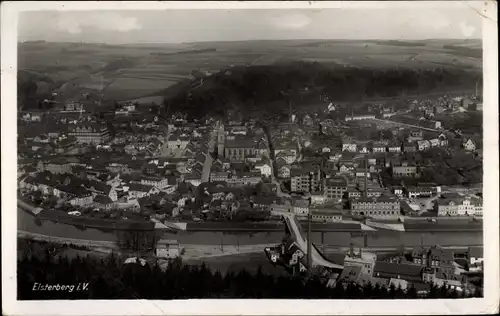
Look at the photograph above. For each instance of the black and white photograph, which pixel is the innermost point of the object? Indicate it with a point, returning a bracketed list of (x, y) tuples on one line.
[(301, 151)]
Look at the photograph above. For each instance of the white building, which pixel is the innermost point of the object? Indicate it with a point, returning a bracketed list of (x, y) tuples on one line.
[(167, 248), (264, 168), (348, 145), (365, 260), (423, 145), (360, 117), (469, 145), (460, 206)]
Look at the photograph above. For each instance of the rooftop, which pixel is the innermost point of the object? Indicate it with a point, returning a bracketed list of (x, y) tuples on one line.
[(384, 268), (381, 199)]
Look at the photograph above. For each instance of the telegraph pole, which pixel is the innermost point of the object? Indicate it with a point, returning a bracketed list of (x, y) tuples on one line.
[(309, 242)]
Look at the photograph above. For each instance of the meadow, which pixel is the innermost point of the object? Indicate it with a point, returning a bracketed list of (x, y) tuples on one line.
[(130, 88)]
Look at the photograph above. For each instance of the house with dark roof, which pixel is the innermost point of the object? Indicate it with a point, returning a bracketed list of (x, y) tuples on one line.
[(77, 196), (57, 166), (440, 277), (434, 257), (100, 188), (237, 149), (350, 274), (475, 254), (137, 190), (103, 202), (193, 179), (389, 270)]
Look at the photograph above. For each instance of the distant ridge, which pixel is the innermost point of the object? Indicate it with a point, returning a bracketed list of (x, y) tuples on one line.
[(372, 40)]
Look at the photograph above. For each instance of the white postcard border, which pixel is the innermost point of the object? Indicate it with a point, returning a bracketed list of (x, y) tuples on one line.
[(488, 304)]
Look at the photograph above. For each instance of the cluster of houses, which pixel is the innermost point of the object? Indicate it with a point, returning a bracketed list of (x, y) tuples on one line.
[(419, 268), (413, 142), (115, 186), (145, 158), (447, 103)]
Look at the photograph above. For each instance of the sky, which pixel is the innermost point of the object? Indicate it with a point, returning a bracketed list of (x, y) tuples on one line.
[(177, 26)]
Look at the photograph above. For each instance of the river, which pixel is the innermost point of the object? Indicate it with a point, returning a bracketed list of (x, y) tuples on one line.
[(26, 222)]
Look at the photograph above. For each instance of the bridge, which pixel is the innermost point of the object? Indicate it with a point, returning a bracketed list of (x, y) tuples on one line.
[(317, 258)]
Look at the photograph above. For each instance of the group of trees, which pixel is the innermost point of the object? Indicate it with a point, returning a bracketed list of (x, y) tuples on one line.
[(31, 92), (110, 278), (252, 215), (270, 88)]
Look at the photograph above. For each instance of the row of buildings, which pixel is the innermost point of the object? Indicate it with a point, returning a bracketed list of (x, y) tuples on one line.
[(419, 268)]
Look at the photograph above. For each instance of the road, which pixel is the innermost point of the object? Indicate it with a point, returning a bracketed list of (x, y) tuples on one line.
[(299, 147), (28, 207), (279, 193), (408, 125), (207, 165), (81, 242)]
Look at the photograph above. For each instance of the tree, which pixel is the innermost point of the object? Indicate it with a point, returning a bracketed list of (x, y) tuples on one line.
[(392, 291), (412, 292), (111, 279), (433, 291), (368, 290)]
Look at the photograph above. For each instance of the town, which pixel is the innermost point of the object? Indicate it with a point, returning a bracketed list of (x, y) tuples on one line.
[(361, 166), (378, 164)]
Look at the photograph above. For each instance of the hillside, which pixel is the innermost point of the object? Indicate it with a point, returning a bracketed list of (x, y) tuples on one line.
[(129, 72), (268, 89)]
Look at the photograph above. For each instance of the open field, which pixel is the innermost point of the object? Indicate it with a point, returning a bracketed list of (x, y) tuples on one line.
[(128, 88), (138, 70)]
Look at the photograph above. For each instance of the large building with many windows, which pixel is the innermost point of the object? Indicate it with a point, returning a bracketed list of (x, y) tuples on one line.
[(305, 180), (382, 206), (90, 133), (335, 187), (404, 170), (456, 205), (240, 148)]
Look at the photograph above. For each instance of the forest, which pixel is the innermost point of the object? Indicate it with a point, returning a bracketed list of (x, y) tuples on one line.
[(271, 88), (109, 278)]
